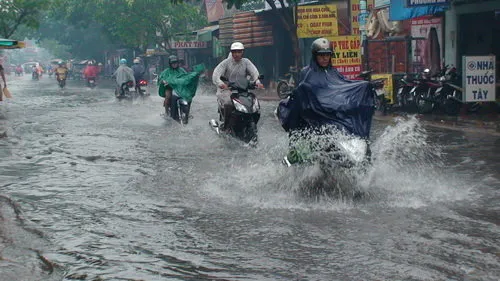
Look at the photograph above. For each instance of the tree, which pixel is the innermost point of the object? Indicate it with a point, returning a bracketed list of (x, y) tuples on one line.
[(286, 17), (141, 22), (14, 13)]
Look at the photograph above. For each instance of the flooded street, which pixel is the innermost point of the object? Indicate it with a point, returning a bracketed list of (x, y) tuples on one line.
[(109, 190)]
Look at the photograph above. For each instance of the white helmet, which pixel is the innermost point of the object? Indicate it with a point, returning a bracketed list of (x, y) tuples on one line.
[(136, 61), (237, 46)]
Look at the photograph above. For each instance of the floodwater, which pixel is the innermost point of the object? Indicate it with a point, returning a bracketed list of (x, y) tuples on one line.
[(96, 189)]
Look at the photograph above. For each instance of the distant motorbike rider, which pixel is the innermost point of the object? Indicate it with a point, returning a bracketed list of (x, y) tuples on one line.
[(138, 69), (61, 71), (234, 68), (324, 96), (174, 70), (91, 70), (123, 75)]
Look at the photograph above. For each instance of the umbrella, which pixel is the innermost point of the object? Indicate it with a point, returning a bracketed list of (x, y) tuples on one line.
[(11, 44)]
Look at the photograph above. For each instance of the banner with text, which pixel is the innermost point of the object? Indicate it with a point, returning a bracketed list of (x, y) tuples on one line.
[(189, 45), (479, 78), (415, 3), (347, 55), (355, 12), (317, 21)]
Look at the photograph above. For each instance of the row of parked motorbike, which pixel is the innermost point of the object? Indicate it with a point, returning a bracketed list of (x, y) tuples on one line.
[(425, 93), (422, 93)]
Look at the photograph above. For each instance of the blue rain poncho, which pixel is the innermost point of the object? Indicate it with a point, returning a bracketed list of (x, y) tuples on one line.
[(324, 96)]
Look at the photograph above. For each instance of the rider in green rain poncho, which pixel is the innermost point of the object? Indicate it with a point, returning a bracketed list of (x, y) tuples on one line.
[(176, 81)]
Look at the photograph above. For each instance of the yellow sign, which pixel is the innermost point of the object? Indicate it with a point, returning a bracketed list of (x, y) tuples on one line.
[(387, 85), (317, 21), (355, 10), (347, 55)]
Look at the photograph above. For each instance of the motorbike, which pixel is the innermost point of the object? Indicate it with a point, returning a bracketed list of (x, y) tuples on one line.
[(61, 82), (381, 102), (35, 75), (405, 95), (91, 83), (125, 91), (336, 158), (178, 109), (441, 93), (286, 86), (141, 86), (245, 114), (19, 71)]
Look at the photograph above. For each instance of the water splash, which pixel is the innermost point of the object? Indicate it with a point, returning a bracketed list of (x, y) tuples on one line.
[(408, 168)]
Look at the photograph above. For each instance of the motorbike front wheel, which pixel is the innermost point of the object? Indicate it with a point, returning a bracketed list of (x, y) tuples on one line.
[(423, 105), (283, 90), (250, 133)]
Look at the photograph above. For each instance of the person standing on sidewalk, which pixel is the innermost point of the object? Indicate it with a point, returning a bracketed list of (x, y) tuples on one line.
[(2, 73)]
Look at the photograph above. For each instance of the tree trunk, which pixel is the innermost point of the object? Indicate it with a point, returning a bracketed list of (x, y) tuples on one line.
[(288, 22)]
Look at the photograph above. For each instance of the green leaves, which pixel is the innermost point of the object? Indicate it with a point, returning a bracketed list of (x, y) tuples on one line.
[(14, 13)]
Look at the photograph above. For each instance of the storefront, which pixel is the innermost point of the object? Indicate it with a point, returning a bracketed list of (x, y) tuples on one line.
[(472, 28)]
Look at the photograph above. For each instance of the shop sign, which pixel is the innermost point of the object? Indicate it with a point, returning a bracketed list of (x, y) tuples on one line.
[(388, 87), (358, 19), (317, 21), (479, 78), (416, 3), (189, 45), (347, 55), (382, 3)]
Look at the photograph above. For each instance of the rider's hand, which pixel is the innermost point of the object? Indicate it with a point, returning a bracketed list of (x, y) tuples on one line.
[(223, 86), (260, 86)]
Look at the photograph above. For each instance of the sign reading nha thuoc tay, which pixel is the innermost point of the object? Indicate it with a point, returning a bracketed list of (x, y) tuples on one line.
[(479, 81)]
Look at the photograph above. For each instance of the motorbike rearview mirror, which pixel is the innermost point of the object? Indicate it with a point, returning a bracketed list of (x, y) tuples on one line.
[(261, 76)]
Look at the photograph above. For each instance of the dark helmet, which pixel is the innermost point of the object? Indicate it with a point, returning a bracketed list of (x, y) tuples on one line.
[(321, 46), (172, 59)]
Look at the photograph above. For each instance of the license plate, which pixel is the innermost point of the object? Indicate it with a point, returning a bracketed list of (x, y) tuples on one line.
[(131, 89), (91, 82)]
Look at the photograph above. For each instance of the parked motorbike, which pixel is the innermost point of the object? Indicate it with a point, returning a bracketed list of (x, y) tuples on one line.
[(125, 91), (441, 93), (382, 103), (405, 95), (91, 82), (246, 112), (286, 86)]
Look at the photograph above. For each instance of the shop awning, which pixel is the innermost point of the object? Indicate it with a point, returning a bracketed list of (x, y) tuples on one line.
[(207, 29), (11, 44), (205, 34)]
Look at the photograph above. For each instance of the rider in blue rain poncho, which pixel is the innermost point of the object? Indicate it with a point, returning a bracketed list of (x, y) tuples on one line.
[(325, 97)]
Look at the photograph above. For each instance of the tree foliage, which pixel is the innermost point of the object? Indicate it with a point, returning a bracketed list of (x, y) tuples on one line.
[(14, 13), (141, 22)]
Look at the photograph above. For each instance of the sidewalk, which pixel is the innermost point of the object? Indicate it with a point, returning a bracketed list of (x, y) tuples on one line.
[(480, 123)]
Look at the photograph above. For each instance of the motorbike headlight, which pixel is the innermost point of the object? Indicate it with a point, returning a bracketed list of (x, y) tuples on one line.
[(240, 107), (256, 106)]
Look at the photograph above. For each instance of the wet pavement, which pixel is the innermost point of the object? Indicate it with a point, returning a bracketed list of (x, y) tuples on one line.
[(96, 189)]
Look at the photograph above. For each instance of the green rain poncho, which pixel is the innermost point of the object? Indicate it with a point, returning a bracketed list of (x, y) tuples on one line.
[(182, 82)]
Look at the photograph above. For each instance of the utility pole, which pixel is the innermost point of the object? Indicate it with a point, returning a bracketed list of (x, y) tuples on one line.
[(363, 15)]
